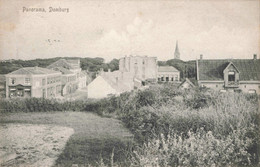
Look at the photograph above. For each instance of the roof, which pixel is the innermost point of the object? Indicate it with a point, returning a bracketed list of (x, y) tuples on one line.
[(33, 71), (83, 74), (167, 69), (63, 70), (112, 79), (249, 69), (68, 64), (187, 81)]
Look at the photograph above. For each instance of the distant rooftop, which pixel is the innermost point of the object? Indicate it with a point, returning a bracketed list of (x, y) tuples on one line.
[(62, 70), (33, 70), (167, 69), (213, 69), (66, 63)]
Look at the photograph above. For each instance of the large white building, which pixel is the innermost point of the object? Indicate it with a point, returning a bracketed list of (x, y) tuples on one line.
[(133, 72)]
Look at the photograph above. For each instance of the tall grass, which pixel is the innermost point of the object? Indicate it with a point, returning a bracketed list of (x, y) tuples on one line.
[(175, 127), (199, 127)]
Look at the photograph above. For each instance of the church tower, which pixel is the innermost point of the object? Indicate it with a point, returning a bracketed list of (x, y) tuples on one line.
[(177, 53)]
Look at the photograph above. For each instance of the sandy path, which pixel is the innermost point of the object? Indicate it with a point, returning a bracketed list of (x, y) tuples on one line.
[(31, 145)]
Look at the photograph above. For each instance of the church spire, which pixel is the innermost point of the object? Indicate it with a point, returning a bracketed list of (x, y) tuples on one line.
[(176, 53)]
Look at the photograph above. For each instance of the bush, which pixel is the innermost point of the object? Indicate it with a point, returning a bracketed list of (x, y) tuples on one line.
[(198, 149), (229, 119)]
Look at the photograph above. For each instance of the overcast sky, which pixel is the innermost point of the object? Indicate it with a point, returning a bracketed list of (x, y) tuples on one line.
[(113, 29)]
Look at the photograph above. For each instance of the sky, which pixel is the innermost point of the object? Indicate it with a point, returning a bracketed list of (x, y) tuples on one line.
[(113, 29)]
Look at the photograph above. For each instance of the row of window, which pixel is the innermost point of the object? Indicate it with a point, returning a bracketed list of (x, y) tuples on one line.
[(53, 80), (72, 78), (26, 81), (168, 78)]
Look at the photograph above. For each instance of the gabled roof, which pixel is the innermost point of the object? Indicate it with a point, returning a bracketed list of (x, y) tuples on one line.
[(32, 71), (231, 64), (110, 78), (249, 69), (167, 69), (62, 70), (68, 64), (187, 81)]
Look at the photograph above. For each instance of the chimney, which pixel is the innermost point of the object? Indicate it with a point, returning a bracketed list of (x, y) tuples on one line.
[(201, 56), (255, 56)]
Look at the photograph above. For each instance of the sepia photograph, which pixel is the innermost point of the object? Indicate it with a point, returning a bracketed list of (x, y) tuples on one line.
[(129, 83)]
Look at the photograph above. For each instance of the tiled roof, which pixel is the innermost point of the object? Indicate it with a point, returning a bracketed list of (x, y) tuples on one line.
[(63, 70), (75, 63), (63, 63), (33, 70), (213, 69), (167, 69)]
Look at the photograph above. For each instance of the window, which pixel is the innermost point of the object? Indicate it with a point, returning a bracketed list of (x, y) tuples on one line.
[(245, 86), (27, 80), (162, 79), (43, 82), (216, 86), (13, 80), (167, 79), (176, 78), (231, 76)]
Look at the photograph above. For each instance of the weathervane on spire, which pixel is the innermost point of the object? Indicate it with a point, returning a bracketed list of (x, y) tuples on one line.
[(177, 53)]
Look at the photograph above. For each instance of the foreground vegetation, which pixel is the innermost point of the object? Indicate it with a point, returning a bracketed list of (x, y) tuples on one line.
[(173, 127)]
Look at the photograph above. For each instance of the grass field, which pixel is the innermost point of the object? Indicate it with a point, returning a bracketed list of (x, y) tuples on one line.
[(94, 137)]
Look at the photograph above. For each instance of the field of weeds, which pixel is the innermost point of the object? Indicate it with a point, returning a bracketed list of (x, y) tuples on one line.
[(170, 127), (192, 127)]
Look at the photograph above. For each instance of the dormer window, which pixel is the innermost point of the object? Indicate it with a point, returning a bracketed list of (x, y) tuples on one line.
[(231, 76)]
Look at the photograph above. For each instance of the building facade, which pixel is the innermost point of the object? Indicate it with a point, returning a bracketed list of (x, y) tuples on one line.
[(240, 75), (33, 82), (133, 73), (168, 74), (141, 67), (58, 79), (73, 77)]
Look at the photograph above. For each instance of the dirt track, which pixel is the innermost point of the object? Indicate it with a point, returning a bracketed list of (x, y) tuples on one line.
[(31, 145)]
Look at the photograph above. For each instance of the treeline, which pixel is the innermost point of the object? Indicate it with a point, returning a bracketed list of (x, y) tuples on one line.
[(93, 65), (90, 64)]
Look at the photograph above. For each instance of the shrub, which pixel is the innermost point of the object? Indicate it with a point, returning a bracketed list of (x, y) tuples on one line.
[(198, 149)]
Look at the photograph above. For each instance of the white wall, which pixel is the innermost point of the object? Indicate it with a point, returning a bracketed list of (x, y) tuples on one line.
[(246, 87), (99, 88)]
